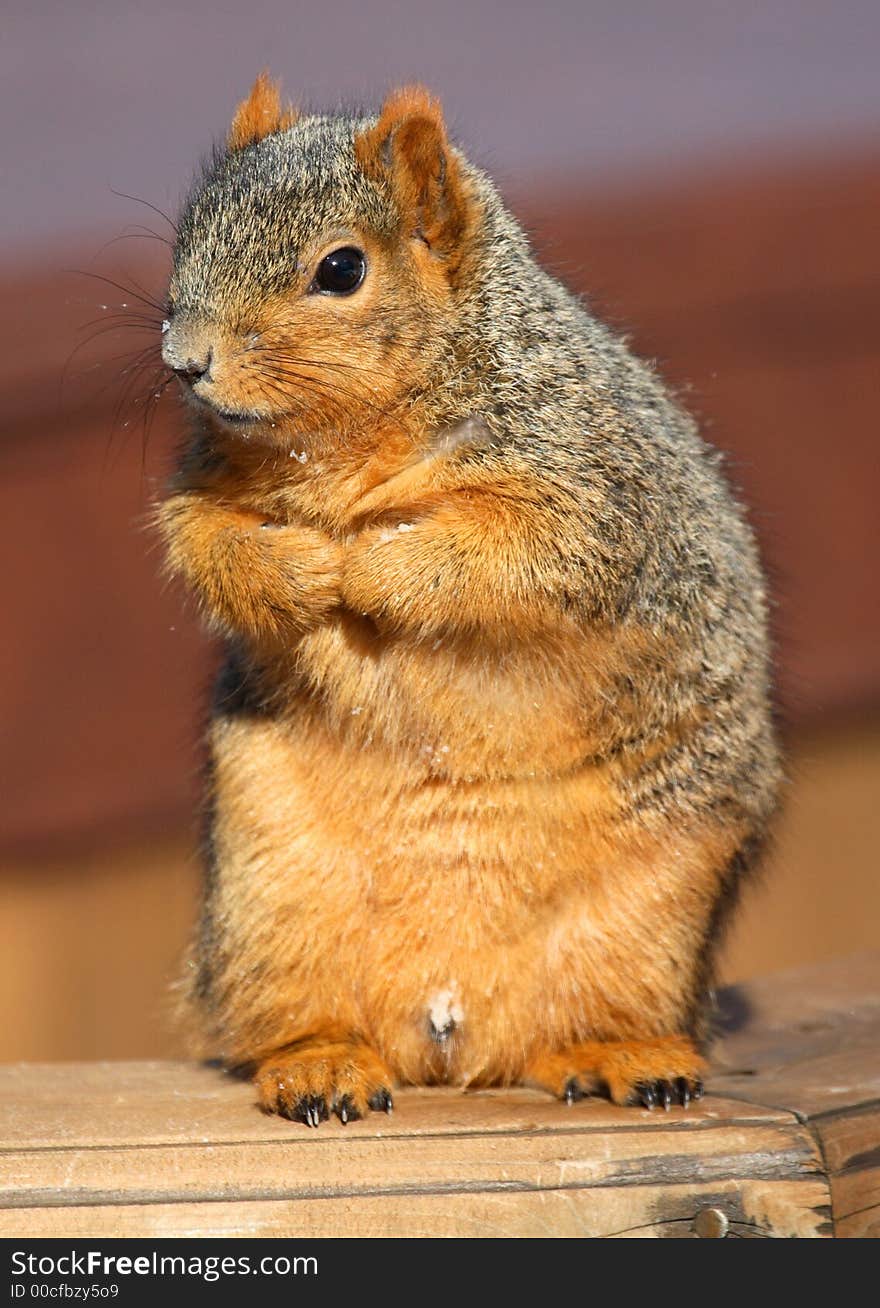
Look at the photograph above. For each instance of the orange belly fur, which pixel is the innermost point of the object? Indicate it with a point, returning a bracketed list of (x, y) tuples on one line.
[(385, 858)]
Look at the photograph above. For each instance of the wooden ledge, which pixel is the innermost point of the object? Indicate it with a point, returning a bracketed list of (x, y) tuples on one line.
[(786, 1143)]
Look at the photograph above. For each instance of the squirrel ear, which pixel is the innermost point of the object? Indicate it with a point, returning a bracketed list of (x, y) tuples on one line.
[(408, 145), (260, 114)]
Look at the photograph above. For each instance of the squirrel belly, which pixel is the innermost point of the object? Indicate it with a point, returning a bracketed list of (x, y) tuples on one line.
[(459, 926), (493, 746)]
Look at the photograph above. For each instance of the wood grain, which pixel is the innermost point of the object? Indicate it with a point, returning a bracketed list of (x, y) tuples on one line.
[(810, 1039), (168, 1149), (769, 1208), (122, 1105), (850, 1144)]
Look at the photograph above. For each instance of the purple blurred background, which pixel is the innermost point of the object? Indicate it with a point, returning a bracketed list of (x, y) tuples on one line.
[(97, 94)]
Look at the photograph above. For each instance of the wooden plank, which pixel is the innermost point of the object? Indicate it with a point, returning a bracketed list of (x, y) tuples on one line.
[(173, 1149), (760, 1208), (789, 1132), (336, 1160), (96, 1105), (807, 1040), (850, 1143)]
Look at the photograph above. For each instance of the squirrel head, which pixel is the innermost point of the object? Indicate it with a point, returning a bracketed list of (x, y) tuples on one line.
[(319, 265)]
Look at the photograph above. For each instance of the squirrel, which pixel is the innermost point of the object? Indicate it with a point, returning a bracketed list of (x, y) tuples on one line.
[(492, 748)]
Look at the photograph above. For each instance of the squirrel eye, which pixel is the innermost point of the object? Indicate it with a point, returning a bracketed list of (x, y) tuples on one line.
[(340, 272)]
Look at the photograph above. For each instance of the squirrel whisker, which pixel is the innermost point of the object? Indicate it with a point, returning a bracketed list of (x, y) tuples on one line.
[(126, 290), (155, 208)]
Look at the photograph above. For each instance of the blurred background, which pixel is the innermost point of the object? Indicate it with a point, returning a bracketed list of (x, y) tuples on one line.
[(708, 173)]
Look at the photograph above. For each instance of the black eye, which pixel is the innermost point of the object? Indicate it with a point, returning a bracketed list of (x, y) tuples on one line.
[(340, 272)]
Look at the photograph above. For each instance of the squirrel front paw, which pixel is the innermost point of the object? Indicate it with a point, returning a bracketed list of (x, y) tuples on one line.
[(665, 1070), (317, 1078), (251, 577)]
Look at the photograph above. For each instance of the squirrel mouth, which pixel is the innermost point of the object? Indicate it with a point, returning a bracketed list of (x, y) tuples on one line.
[(234, 418), (246, 421)]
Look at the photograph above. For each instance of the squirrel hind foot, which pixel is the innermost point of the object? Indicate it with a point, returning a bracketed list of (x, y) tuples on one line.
[(664, 1070), (318, 1078)]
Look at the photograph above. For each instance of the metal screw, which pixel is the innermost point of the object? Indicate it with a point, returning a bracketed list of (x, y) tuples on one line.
[(711, 1224)]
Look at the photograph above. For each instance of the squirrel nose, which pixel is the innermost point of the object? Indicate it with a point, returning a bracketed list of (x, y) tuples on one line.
[(193, 368)]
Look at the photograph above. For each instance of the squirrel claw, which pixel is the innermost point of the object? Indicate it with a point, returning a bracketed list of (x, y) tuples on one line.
[(668, 1093), (311, 1109), (346, 1110), (647, 1095), (573, 1091), (381, 1102)]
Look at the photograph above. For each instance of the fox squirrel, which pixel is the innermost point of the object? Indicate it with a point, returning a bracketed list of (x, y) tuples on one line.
[(492, 747)]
